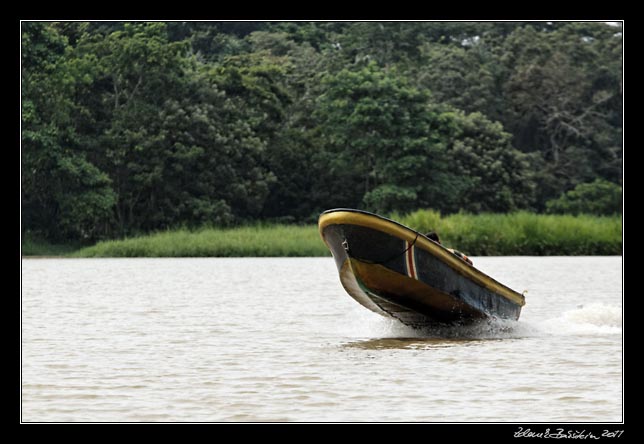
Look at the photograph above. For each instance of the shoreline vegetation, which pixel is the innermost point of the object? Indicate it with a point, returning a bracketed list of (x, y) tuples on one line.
[(129, 128), (513, 234)]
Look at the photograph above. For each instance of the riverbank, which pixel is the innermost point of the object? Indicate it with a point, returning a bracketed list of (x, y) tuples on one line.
[(33, 247), (250, 241), (522, 233), (512, 234)]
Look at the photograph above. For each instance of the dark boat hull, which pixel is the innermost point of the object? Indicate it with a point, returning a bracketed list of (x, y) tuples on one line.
[(398, 272)]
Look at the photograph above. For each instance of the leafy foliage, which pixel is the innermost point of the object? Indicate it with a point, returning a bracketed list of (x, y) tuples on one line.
[(133, 127), (599, 197)]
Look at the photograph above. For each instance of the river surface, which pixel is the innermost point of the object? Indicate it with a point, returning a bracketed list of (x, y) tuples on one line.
[(278, 339)]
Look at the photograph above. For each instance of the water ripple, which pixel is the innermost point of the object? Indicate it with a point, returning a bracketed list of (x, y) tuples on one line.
[(276, 340)]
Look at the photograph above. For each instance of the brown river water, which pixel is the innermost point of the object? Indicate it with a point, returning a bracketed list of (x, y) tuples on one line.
[(278, 339)]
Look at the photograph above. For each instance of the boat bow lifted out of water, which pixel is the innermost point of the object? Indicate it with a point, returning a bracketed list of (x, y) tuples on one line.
[(398, 272)]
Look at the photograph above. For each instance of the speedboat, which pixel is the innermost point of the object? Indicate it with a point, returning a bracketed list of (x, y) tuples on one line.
[(400, 273)]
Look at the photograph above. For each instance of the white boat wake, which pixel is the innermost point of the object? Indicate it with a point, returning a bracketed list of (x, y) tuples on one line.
[(593, 319)]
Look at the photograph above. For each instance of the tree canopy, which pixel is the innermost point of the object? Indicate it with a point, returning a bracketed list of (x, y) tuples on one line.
[(135, 127)]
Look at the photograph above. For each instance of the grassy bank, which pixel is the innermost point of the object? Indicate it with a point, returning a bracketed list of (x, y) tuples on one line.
[(272, 240), (487, 234), (522, 233), (32, 246)]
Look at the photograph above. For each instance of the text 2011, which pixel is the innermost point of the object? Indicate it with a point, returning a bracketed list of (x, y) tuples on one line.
[(566, 434)]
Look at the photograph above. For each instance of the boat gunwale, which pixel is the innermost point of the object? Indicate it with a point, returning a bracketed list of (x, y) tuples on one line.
[(366, 219)]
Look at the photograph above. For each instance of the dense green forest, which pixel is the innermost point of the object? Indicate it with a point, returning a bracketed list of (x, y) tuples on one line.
[(130, 128)]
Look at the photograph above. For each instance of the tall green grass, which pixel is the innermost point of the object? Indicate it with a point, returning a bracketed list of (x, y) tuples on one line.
[(271, 240), (522, 233), (518, 233), (34, 246)]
